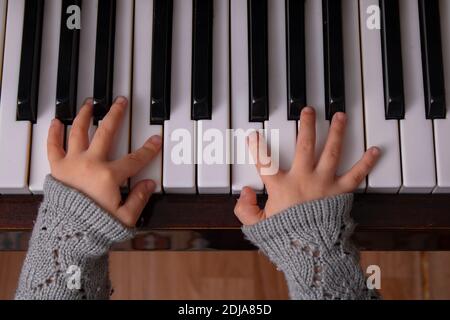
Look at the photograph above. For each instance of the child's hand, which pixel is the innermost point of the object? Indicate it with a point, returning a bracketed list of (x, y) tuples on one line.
[(86, 168), (307, 179)]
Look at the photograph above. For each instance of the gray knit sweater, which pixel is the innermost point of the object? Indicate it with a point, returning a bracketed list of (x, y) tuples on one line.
[(68, 251)]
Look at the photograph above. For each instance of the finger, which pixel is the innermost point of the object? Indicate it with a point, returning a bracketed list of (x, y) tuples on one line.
[(130, 211), (306, 141), (55, 141), (355, 176), (329, 160), (79, 133), (267, 169), (247, 209), (104, 135), (134, 162)]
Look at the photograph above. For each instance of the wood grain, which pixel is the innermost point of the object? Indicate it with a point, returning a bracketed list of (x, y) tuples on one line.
[(401, 273), (10, 266), (195, 275), (439, 274), (242, 275)]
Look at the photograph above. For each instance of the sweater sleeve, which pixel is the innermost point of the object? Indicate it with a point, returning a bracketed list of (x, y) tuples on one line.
[(68, 252), (310, 243)]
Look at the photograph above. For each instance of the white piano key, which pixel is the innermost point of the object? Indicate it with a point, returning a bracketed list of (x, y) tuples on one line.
[(214, 177), (241, 174), (353, 148), (14, 135), (416, 132), (86, 57), (179, 131), (278, 117), (3, 9), (122, 72), (442, 126), (315, 77), (141, 129), (386, 176), (39, 166)]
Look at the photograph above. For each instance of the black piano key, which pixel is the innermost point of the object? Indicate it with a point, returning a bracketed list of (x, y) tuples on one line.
[(333, 58), (28, 90), (161, 61), (394, 99), (202, 60), (104, 58), (296, 68), (432, 64), (66, 90), (258, 55)]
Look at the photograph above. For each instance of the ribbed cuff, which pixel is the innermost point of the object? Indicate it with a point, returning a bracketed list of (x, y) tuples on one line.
[(316, 222), (76, 209)]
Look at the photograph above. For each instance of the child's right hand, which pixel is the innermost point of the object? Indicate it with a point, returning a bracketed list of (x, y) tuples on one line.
[(307, 179), (86, 167)]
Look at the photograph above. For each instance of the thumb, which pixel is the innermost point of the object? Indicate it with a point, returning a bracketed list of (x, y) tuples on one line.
[(130, 211), (247, 209)]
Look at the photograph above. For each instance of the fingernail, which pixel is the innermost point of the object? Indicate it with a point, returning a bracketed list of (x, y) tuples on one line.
[(88, 101), (54, 122), (375, 151), (156, 140), (245, 194), (307, 110), (150, 185), (339, 116), (121, 100)]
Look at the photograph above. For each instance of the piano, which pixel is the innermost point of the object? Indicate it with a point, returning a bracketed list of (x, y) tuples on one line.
[(198, 70)]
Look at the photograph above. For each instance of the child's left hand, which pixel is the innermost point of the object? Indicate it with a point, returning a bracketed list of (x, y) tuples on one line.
[(86, 167)]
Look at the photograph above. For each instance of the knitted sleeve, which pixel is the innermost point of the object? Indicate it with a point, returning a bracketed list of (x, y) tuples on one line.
[(68, 251), (310, 243)]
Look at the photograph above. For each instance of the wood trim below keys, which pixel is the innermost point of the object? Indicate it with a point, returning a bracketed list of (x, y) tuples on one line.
[(384, 222)]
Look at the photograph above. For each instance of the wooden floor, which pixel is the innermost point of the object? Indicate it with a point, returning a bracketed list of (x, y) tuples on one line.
[(244, 275)]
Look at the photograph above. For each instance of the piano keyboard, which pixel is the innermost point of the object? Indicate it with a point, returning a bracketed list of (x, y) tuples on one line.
[(192, 66)]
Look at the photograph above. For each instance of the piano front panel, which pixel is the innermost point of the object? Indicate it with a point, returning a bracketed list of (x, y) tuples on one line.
[(384, 221)]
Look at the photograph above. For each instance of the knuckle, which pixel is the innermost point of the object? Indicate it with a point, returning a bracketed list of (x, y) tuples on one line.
[(365, 167), (128, 219), (358, 177), (307, 145), (149, 148), (102, 173), (333, 154), (135, 157), (88, 165), (76, 132), (237, 208), (50, 147), (107, 174), (103, 132)]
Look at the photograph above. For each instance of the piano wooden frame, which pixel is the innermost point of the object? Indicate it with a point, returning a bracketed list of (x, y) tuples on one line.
[(384, 222)]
